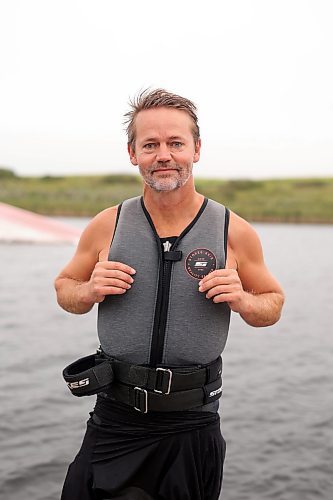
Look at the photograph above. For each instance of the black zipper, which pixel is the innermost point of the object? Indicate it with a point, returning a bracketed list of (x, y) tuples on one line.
[(156, 352), (162, 302)]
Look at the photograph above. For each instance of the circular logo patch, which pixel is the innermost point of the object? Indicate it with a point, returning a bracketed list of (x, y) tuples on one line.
[(200, 262)]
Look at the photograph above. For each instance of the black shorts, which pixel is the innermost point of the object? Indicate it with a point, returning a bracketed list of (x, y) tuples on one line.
[(157, 456)]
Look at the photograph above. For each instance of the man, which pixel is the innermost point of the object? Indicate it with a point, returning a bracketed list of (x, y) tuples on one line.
[(165, 269)]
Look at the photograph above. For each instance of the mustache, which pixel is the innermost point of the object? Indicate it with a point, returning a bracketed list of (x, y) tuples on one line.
[(161, 166)]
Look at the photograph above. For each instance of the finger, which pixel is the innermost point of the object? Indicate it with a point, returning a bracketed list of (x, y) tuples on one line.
[(109, 264), (222, 297), (225, 279), (214, 281), (218, 290), (120, 275), (112, 290), (113, 282), (214, 274)]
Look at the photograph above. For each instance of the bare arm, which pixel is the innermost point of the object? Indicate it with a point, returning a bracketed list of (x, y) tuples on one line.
[(89, 276), (246, 284)]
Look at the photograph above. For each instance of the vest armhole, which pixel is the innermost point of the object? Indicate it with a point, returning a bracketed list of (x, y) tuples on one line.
[(226, 227), (116, 224)]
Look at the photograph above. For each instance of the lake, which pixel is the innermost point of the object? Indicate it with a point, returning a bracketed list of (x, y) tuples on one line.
[(277, 405)]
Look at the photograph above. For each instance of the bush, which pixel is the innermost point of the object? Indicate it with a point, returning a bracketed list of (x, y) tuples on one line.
[(6, 173)]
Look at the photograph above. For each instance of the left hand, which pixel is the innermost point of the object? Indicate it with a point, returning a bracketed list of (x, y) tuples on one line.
[(224, 285)]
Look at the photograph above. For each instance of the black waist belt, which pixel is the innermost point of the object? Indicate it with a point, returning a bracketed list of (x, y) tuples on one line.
[(144, 400), (145, 388)]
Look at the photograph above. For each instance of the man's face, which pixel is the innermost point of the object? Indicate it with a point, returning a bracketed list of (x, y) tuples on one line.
[(164, 148)]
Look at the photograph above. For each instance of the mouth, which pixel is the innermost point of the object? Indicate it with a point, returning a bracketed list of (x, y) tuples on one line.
[(164, 170)]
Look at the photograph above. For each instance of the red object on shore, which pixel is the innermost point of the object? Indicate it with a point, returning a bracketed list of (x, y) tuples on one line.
[(18, 225)]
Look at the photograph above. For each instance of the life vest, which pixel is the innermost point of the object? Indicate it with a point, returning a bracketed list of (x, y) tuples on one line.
[(163, 319)]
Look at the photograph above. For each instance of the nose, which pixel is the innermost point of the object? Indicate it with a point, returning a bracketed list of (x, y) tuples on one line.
[(163, 153)]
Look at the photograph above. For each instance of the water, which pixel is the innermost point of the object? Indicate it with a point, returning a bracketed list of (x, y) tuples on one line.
[(277, 408)]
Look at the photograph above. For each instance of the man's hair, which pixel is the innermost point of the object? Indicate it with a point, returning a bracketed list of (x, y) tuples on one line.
[(158, 98)]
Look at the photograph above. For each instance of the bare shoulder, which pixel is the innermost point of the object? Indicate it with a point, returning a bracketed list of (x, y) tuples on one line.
[(243, 239), (93, 245), (246, 249), (98, 235)]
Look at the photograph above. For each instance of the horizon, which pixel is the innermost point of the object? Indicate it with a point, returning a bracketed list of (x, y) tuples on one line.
[(12, 174)]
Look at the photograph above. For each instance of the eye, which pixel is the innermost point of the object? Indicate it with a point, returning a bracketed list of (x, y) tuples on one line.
[(176, 144), (149, 146)]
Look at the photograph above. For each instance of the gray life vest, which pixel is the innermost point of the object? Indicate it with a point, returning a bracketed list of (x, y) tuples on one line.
[(163, 319)]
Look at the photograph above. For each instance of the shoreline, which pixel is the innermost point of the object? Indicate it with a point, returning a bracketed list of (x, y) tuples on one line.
[(294, 201)]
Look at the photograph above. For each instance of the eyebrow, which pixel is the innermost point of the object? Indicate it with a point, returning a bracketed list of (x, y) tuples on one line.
[(172, 138), (149, 139), (176, 138)]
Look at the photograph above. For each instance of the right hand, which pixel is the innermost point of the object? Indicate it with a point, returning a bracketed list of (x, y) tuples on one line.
[(109, 278)]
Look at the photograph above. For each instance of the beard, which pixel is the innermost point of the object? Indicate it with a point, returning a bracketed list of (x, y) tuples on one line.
[(167, 181)]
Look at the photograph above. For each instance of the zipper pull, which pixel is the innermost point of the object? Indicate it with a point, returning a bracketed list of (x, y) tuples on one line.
[(174, 255)]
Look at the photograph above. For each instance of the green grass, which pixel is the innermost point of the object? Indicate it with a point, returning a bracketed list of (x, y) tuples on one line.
[(283, 200)]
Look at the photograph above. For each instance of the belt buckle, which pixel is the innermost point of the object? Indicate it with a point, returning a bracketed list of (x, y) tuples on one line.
[(169, 381), (138, 391)]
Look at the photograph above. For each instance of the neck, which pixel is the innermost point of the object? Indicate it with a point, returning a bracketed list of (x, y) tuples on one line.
[(172, 211)]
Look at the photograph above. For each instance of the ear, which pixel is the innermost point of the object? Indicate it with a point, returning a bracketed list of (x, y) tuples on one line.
[(132, 155), (197, 148)]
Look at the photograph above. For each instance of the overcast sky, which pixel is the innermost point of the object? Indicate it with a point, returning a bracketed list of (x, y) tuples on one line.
[(260, 72)]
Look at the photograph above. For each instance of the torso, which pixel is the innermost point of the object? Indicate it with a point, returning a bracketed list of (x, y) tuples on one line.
[(134, 244)]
